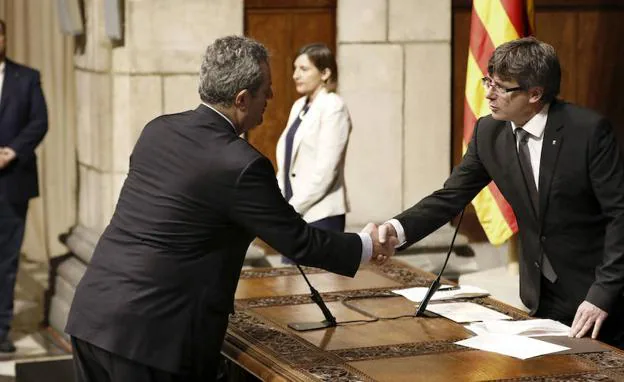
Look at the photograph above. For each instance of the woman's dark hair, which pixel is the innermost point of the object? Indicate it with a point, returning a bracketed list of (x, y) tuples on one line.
[(322, 57)]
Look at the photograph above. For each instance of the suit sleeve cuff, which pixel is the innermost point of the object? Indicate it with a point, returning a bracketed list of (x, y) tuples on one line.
[(399, 230), (367, 247), (601, 297)]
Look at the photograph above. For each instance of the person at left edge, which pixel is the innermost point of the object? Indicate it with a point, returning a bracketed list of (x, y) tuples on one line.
[(23, 124), (154, 302)]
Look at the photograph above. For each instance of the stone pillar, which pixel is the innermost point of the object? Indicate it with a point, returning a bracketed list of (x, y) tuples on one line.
[(395, 70)]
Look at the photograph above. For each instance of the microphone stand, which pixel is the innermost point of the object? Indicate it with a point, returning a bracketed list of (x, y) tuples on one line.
[(330, 320), (435, 285)]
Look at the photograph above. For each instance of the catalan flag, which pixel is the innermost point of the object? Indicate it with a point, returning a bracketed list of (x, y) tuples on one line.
[(493, 22)]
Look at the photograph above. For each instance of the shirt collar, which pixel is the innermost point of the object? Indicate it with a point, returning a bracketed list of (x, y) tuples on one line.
[(221, 114), (2, 66), (537, 124)]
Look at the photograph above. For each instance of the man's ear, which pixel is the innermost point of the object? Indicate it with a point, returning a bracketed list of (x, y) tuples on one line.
[(535, 94), (242, 100)]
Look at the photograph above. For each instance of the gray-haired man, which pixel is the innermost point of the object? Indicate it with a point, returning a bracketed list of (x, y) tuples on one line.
[(154, 302)]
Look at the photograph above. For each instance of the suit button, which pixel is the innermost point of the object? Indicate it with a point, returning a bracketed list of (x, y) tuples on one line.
[(543, 239), (536, 264), (293, 174)]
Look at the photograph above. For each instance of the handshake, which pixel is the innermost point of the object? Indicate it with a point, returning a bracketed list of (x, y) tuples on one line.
[(385, 239)]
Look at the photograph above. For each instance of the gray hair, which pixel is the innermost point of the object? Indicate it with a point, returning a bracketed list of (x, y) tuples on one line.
[(530, 62), (231, 64)]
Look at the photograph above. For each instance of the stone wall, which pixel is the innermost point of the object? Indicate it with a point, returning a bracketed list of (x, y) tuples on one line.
[(395, 72)]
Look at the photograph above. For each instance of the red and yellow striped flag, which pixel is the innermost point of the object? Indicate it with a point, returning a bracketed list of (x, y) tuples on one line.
[(493, 23)]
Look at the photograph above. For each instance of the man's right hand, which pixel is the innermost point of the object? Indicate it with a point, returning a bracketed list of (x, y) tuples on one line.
[(388, 233), (382, 251)]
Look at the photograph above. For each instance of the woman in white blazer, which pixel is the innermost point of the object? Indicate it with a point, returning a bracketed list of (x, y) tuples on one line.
[(311, 150)]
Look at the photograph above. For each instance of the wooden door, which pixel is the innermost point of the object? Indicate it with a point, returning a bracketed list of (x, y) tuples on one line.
[(284, 26), (588, 36)]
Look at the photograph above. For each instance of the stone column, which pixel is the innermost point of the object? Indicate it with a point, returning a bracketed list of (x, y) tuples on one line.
[(395, 70)]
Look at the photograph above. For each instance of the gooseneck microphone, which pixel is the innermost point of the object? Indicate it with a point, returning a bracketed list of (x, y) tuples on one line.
[(421, 312), (330, 320)]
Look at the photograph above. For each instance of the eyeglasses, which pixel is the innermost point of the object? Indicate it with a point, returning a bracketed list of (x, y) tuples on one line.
[(489, 83)]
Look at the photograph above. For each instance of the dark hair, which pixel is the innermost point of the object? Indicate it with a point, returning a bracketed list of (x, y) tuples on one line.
[(322, 57), (530, 62), (3, 25), (230, 65)]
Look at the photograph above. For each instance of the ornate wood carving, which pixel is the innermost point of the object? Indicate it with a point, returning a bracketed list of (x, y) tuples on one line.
[(279, 347)]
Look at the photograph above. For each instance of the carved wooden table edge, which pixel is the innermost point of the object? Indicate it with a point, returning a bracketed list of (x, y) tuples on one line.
[(305, 362)]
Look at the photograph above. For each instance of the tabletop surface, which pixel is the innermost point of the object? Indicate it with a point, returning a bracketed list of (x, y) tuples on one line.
[(389, 345)]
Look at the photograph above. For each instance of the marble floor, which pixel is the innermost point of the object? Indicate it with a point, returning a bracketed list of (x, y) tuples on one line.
[(33, 342)]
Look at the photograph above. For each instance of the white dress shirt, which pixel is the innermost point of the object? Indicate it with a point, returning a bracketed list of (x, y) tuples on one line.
[(367, 241), (2, 66), (535, 127)]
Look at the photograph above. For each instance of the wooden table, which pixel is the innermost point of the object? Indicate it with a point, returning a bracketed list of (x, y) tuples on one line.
[(403, 349)]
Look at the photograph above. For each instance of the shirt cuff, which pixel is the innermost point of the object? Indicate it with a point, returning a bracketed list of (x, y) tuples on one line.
[(399, 230), (367, 247)]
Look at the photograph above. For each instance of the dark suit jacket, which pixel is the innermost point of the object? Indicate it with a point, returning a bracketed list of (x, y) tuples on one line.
[(23, 124), (580, 225), (195, 197)]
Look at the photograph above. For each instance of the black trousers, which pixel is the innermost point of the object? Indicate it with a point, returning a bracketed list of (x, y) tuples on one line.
[(556, 305), (12, 223), (94, 364)]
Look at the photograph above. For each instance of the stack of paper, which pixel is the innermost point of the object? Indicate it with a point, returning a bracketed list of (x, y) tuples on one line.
[(512, 338), (511, 345), (444, 293), (466, 312), (530, 328)]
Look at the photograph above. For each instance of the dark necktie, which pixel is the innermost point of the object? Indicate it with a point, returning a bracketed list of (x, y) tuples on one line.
[(524, 156), (290, 137), (527, 169)]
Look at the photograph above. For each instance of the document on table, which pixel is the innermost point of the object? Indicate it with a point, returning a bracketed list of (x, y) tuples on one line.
[(511, 345), (466, 312), (444, 293), (530, 328)]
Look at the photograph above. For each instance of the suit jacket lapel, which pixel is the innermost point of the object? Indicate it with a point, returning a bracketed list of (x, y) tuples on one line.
[(514, 172), (301, 130), (551, 145)]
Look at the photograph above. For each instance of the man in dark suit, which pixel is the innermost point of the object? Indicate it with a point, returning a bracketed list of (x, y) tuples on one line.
[(23, 124), (154, 302), (559, 167)]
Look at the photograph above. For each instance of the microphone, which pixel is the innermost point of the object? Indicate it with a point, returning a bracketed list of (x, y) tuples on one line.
[(330, 320), (435, 285)]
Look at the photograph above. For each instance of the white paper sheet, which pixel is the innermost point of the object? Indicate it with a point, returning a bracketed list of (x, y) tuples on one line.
[(466, 312), (511, 345), (444, 293), (530, 328)]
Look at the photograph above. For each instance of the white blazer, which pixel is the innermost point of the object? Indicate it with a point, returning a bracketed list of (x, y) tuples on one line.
[(318, 157)]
